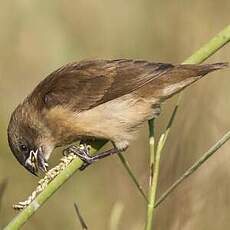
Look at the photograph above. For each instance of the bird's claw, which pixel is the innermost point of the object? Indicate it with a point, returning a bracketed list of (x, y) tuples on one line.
[(84, 166), (82, 152)]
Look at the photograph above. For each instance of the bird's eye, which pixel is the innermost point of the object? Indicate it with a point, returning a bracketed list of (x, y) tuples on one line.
[(23, 148)]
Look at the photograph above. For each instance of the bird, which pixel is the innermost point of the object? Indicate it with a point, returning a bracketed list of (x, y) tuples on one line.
[(95, 99)]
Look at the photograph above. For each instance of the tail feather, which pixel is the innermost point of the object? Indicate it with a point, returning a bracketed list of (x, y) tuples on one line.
[(217, 66), (184, 75), (202, 70)]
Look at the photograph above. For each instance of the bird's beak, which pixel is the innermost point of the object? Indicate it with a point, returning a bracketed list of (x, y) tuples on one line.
[(36, 161), (41, 161)]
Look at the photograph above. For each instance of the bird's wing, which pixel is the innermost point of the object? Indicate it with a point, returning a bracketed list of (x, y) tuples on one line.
[(86, 84)]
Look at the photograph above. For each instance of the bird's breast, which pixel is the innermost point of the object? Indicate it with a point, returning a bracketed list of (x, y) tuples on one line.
[(113, 120)]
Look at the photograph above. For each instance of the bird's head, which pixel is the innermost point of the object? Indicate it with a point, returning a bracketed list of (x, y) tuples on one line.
[(29, 140)]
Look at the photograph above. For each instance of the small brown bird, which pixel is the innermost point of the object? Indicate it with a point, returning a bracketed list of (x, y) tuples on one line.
[(97, 99)]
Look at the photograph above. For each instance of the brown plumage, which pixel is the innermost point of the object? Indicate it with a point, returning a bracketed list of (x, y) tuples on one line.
[(107, 99)]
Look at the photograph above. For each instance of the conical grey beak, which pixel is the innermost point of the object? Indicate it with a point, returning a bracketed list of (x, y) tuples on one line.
[(36, 161), (31, 169), (41, 162), (30, 163)]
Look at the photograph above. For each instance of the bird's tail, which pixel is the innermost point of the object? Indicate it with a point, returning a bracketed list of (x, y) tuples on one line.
[(182, 76), (202, 70)]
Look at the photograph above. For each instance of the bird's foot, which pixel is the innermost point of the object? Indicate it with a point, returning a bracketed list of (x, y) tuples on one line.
[(82, 152)]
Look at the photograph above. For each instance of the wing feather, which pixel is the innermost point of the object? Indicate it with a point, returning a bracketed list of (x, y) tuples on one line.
[(86, 84)]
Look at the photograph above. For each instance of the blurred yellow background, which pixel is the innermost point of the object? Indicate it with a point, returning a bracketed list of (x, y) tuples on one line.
[(36, 37)]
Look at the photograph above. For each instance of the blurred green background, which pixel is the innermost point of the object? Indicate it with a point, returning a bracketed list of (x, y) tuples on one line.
[(36, 37)]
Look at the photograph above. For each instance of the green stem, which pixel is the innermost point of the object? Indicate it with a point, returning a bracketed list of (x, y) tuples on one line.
[(216, 43), (153, 178), (211, 47)]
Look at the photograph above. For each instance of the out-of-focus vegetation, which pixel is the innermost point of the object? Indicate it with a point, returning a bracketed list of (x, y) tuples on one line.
[(38, 37)]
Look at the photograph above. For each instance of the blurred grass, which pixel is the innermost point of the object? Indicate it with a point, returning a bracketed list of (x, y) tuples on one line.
[(38, 37)]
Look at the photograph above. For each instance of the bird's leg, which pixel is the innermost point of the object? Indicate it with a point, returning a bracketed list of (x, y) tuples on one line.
[(83, 154)]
